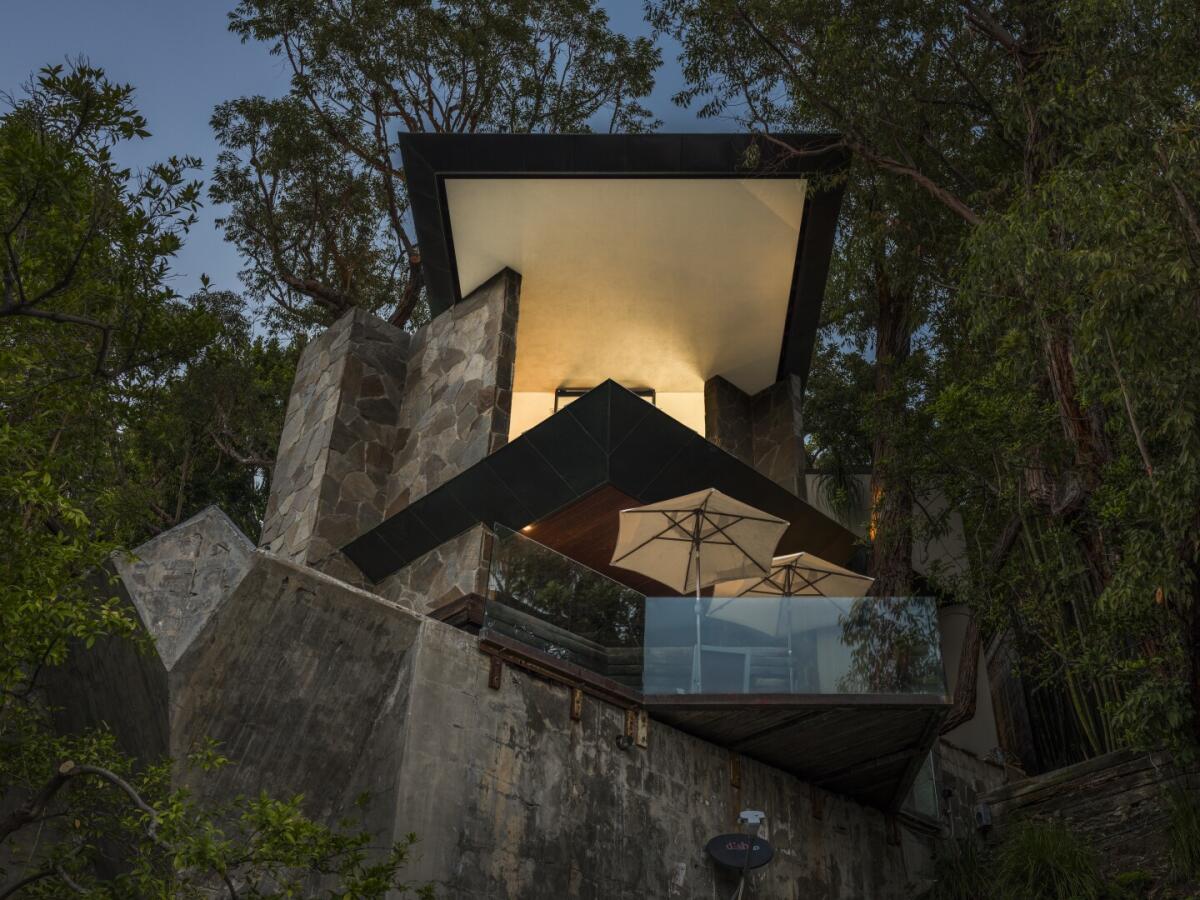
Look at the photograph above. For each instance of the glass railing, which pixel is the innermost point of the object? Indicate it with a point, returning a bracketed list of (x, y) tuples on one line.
[(739, 645), (558, 606), (792, 645)]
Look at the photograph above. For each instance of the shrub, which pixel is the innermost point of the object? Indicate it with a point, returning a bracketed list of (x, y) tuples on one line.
[(1046, 861)]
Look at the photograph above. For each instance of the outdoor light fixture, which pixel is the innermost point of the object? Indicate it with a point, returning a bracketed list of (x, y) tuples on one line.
[(564, 395)]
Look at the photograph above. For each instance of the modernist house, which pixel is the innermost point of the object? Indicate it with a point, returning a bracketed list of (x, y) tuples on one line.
[(432, 615)]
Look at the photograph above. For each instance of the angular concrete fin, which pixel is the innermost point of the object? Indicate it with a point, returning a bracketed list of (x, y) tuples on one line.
[(177, 580)]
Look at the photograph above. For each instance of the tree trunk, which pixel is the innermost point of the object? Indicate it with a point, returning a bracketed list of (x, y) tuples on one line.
[(891, 491)]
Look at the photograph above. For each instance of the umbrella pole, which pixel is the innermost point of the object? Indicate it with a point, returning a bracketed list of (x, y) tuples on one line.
[(696, 652), (791, 658)]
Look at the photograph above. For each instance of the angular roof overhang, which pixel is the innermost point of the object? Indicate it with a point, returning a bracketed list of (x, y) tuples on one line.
[(731, 265), (609, 436)]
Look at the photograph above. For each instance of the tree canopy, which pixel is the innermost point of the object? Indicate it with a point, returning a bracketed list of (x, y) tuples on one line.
[(314, 182), (1022, 214), (123, 409)]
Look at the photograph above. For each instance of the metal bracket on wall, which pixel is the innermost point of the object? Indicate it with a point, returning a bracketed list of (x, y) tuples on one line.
[(637, 726), (495, 672), (818, 801), (892, 824), (735, 770), (576, 704), (642, 738)]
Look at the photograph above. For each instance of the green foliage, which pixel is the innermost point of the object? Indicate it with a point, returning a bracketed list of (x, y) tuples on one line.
[(123, 409), (960, 872), (318, 203), (1034, 861), (1012, 313), (1183, 834), (1046, 861), (558, 590)]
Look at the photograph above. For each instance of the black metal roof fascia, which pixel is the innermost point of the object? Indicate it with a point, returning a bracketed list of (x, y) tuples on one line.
[(607, 436), (428, 159)]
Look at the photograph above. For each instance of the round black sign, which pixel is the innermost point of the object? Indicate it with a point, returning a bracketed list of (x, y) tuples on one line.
[(730, 850)]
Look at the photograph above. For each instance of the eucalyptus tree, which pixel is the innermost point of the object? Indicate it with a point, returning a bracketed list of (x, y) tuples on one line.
[(315, 188), (1048, 153)]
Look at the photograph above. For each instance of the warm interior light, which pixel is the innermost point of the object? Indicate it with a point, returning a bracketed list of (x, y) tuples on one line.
[(528, 527)]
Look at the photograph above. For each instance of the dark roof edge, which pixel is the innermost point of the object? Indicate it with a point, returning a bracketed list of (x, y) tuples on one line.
[(429, 158)]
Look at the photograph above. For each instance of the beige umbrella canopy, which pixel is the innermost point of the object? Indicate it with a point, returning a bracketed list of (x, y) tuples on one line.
[(795, 575), (798, 575), (696, 540)]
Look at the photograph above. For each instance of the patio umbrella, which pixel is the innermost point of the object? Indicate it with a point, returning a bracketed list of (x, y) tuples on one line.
[(794, 575), (697, 540), (798, 575)]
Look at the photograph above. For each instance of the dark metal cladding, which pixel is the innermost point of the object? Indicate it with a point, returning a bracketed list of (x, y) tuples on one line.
[(609, 436)]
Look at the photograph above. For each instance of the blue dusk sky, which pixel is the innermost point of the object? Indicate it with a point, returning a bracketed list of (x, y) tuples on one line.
[(183, 62)]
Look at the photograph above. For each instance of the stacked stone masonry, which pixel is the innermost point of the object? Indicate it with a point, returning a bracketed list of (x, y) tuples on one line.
[(313, 686), (339, 435), (1119, 803), (377, 418), (459, 398), (765, 431)]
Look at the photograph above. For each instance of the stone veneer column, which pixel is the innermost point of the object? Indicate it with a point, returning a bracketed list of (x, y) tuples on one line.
[(765, 431), (727, 418), (339, 437), (457, 404), (777, 422), (458, 397)]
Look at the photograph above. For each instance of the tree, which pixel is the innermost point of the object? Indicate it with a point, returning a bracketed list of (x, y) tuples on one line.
[(103, 370), (1051, 150), (317, 196)]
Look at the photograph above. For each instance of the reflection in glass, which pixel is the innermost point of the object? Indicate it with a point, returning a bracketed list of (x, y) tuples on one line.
[(561, 607), (792, 645), (747, 645)]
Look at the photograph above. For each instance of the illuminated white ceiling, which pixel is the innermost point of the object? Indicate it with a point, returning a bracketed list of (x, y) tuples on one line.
[(658, 283)]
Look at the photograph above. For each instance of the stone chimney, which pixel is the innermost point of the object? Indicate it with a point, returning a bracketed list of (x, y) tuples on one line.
[(379, 417), (339, 439)]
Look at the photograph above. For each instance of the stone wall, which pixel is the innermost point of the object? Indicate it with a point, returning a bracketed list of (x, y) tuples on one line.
[(963, 778), (459, 394), (777, 422), (1117, 802), (313, 686), (339, 436), (457, 567), (765, 431), (512, 798), (727, 419), (303, 680), (173, 585)]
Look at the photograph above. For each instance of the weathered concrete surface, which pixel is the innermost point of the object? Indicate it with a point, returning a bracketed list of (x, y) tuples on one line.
[(340, 434), (301, 679), (313, 686), (177, 581), (1117, 802), (459, 394), (173, 585), (516, 800), (962, 779)]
